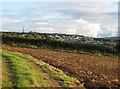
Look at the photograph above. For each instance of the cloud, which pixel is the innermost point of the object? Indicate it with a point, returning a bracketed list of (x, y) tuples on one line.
[(87, 28), (112, 32), (69, 31), (79, 26), (43, 23), (109, 31), (75, 0), (84, 18), (45, 30)]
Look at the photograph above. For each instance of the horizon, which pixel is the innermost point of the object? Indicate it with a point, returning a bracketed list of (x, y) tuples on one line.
[(57, 33), (91, 19)]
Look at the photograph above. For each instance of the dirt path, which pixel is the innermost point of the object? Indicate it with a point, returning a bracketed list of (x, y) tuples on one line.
[(91, 70)]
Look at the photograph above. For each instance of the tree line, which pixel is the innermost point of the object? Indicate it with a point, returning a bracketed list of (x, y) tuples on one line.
[(62, 45)]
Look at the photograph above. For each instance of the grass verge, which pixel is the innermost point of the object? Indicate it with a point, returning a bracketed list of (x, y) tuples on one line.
[(23, 74)]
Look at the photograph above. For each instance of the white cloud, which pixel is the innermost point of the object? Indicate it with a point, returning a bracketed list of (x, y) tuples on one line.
[(75, 0), (112, 31), (86, 28), (109, 31), (70, 31), (44, 30), (79, 26), (42, 23)]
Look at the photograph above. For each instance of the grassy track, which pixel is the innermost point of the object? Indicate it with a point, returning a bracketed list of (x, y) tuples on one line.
[(24, 74), (6, 78), (22, 70)]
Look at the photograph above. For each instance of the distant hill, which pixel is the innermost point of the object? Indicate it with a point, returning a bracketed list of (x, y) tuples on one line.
[(113, 38)]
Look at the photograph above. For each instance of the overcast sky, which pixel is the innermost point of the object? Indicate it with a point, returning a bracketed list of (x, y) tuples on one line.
[(96, 19)]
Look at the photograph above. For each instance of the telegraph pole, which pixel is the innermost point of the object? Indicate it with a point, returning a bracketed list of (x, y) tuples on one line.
[(23, 29)]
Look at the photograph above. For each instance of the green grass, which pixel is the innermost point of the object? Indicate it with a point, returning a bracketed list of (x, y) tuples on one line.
[(5, 73), (6, 80), (23, 73)]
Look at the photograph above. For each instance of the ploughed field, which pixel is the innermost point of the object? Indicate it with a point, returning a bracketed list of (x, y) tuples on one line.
[(58, 69), (20, 70)]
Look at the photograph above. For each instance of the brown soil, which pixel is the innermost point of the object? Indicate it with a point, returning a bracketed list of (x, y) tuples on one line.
[(91, 70)]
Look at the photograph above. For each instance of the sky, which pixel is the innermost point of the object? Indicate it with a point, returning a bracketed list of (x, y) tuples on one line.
[(95, 19)]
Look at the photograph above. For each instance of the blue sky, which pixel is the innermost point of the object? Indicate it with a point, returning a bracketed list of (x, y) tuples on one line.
[(96, 19)]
